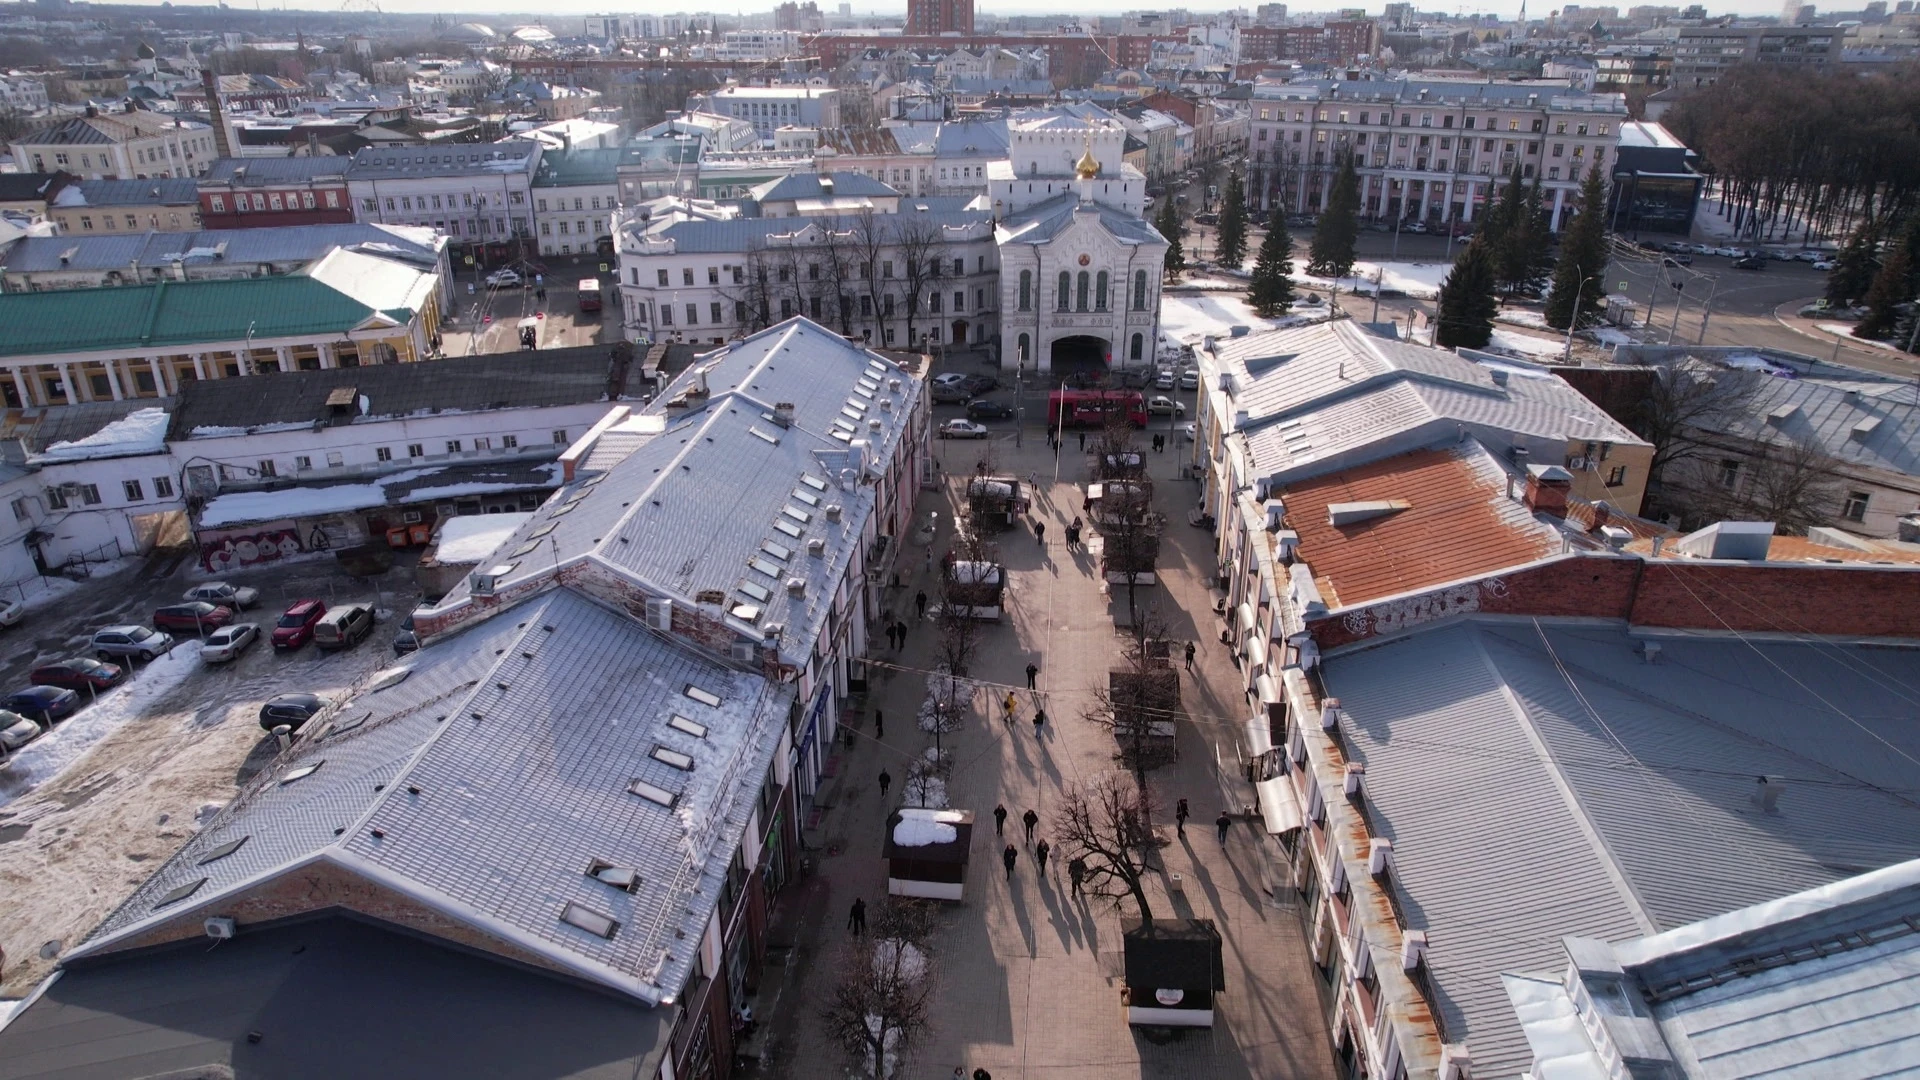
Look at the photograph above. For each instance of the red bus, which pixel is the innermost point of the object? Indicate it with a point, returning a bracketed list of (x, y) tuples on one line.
[(1090, 408)]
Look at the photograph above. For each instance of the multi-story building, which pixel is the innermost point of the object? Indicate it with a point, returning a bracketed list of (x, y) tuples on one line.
[(246, 193), (837, 254), (28, 195), (876, 153), (574, 197), (939, 16), (47, 263), (758, 44), (1428, 149), (1080, 269), (22, 93), (130, 145), (95, 206), (770, 108), (76, 345), (1701, 54), (474, 193)]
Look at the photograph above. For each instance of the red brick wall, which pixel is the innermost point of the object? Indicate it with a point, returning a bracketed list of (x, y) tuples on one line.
[(1568, 587), (1790, 598)]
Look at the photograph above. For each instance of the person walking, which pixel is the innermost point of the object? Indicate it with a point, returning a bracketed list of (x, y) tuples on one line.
[(879, 725), (1040, 532), (1223, 822), (1076, 872), (1083, 442), (886, 781), (857, 918), (1008, 707), (1040, 852), (1039, 721), (1030, 819), (1010, 856), (1000, 820), (893, 640), (1180, 817), (1033, 672), (920, 603), (1190, 652), (902, 627)]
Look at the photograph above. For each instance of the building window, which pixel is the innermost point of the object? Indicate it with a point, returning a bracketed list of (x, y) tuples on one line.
[(56, 499), (560, 437), (163, 487), (1729, 473), (453, 446), (1617, 476), (1066, 292), (133, 490), (266, 468), (219, 204), (1139, 290), (301, 463), (663, 278), (1856, 506), (383, 453), (416, 450), (1100, 292), (1137, 344), (508, 442), (1026, 290), (713, 310)]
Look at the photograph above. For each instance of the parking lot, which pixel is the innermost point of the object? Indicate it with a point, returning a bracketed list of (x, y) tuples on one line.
[(89, 809)]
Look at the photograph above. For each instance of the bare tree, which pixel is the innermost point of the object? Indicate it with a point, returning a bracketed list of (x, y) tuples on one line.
[(1140, 699), (869, 249), (1792, 483), (882, 1004), (919, 244), (1130, 530), (1109, 827), (1685, 407), (750, 287), (838, 252)]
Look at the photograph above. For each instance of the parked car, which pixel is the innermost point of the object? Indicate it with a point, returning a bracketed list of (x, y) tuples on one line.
[(228, 642), (1823, 264), (1809, 256), (505, 279), (1751, 262), (1207, 218), (989, 409), (293, 710), (962, 429), (238, 597), (1161, 405), (47, 704), (141, 643), (1681, 259), (343, 627), (12, 612), (949, 378), (1189, 380), (296, 623), (406, 640), (197, 617), (78, 673), (17, 731), (1415, 227), (1188, 432), (1166, 380), (980, 384)]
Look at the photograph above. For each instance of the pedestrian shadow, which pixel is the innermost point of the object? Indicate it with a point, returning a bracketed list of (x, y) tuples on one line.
[(1063, 921), (1020, 913)]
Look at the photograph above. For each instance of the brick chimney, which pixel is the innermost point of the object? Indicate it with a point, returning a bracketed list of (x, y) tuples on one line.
[(1602, 514), (1547, 489)]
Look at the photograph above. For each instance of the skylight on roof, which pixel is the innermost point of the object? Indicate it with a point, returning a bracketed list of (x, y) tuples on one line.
[(689, 727), (806, 497), (795, 515), (222, 851), (667, 756), (745, 612), (704, 697), (763, 436), (778, 551), (756, 591), (850, 412), (348, 723), (786, 528), (542, 530), (763, 566), (624, 878), (653, 793), (843, 436), (179, 893), (593, 922), (524, 549), (814, 482), (863, 393), (302, 772)]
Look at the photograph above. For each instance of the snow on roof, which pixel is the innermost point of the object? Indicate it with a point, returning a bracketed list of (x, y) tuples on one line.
[(920, 832), (141, 432), (471, 539)]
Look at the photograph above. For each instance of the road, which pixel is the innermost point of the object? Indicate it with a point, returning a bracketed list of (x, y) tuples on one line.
[(487, 320)]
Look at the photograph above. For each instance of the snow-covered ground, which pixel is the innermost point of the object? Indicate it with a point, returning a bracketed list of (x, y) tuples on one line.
[(1416, 279), (1186, 319), (1527, 344), (46, 756), (1842, 330)]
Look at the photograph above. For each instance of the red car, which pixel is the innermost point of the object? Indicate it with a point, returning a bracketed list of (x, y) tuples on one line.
[(196, 617), (295, 627), (79, 673)]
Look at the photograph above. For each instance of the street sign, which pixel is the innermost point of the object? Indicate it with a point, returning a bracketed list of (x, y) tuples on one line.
[(603, 268), (469, 260), (1623, 286)]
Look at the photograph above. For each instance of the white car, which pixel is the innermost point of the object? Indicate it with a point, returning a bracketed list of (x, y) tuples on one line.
[(505, 279), (1188, 431), (1164, 381), (1161, 405), (16, 731), (949, 378), (237, 597), (12, 612), (228, 642), (962, 429), (1189, 380), (1415, 227), (1823, 264)]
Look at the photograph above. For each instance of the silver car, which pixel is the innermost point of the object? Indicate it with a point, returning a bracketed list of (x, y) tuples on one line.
[(228, 642), (16, 731), (237, 597), (135, 642)]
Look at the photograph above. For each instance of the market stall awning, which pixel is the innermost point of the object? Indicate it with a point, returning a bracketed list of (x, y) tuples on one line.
[(1279, 806)]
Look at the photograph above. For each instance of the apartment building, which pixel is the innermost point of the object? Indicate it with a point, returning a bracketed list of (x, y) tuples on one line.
[(22, 93), (770, 108), (939, 16), (1435, 150), (129, 145), (1701, 54), (471, 192), (574, 196), (126, 206), (251, 193)]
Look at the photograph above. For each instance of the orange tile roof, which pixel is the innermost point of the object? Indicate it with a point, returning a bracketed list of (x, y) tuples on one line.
[(1801, 549), (1459, 524)]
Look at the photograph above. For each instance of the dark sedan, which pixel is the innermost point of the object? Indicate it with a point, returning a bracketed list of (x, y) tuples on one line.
[(196, 616), (78, 673), (988, 409), (46, 704), (293, 710)]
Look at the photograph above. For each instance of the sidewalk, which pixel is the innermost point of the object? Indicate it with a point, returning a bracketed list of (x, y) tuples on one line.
[(1027, 976)]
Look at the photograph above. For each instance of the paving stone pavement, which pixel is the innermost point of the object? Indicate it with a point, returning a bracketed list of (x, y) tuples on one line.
[(1027, 976)]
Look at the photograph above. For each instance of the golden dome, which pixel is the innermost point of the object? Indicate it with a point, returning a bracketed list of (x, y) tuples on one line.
[(1087, 167)]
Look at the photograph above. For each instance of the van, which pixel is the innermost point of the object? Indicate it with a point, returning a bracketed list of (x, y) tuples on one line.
[(343, 627)]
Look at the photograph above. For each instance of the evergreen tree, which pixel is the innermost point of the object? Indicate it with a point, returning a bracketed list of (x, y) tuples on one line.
[(1168, 223), (1887, 296), (1498, 219), (1331, 253), (1271, 292), (1854, 269), (1232, 242), (1467, 304), (1580, 280)]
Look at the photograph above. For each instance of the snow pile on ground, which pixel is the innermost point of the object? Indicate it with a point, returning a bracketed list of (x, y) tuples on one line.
[(1523, 317), (1845, 331), (1188, 319), (473, 538), (942, 688), (1415, 279), (44, 758), (912, 963), (1753, 362), (919, 828), (143, 431), (1527, 344), (1610, 335)]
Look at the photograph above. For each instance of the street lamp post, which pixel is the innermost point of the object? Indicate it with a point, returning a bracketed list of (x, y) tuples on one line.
[(1566, 355)]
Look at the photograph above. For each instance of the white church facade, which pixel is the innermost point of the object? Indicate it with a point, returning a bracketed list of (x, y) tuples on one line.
[(1080, 267)]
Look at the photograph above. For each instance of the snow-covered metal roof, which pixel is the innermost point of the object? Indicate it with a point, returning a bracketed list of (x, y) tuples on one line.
[(511, 759), (241, 247), (1041, 222), (1543, 780)]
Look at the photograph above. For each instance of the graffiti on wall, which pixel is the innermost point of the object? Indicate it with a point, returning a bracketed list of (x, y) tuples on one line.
[(1395, 615), (222, 550)]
